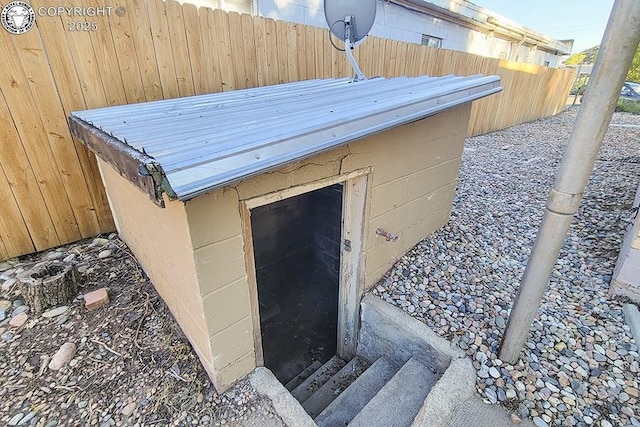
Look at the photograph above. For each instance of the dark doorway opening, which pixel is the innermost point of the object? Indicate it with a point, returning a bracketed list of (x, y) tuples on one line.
[(296, 244)]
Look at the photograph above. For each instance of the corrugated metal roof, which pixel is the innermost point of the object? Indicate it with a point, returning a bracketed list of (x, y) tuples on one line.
[(193, 145)]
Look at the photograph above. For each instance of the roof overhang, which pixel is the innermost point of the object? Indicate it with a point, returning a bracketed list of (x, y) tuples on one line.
[(186, 147)]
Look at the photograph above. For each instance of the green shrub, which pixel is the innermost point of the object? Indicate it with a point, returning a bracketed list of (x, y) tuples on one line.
[(628, 106)]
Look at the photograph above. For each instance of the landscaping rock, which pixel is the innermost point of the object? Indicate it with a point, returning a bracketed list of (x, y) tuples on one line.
[(18, 320), (62, 356), (55, 311), (579, 355)]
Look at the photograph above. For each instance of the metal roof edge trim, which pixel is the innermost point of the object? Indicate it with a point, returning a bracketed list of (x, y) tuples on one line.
[(418, 111), (139, 168)]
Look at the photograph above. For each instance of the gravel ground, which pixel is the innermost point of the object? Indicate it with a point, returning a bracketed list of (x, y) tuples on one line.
[(580, 365), (132, 365)]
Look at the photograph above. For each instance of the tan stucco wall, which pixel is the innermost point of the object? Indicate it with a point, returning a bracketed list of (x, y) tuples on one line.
[(194, 252), (160, 240), (412, 184)]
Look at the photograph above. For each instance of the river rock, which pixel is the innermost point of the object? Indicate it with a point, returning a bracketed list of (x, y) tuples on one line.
[(55, 311), (62, 356), (19, 319)]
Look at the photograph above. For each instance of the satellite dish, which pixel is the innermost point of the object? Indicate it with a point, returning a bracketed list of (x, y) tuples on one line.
[(350, 21), (362, 13)]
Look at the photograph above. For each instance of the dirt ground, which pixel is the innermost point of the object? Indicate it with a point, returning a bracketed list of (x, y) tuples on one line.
[(133, 365)]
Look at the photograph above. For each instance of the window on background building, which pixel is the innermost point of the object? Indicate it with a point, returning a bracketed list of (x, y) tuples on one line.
[(431, 41), (240, 6), (546, 63)]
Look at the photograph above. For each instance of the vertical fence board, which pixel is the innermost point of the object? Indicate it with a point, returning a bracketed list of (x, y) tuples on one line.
[(237, 50), (179, 49), (124, 45), (23, 109), (250, 55), (105, 53), (291, 46), (221, 20), (211, 63), (262, 60), (309, 43), (202, 82), (271, 51), (328, 55), (26, 193), (142, 36), (301, 57), (14, 235), (71, 95), (163, 48), (60, 148), (318, 52), (281, 47)]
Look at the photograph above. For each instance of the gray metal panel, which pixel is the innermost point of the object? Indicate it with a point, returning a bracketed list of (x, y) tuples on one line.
[(210, 141)]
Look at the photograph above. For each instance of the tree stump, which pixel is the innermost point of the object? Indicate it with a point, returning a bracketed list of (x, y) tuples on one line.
[(48, 284)]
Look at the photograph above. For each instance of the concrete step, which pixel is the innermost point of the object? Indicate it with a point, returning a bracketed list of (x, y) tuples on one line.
[(400, 400), (351, 401), (306, 373), (334, 386), (317, 379)]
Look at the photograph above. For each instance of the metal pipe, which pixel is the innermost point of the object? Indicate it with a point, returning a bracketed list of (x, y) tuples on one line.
[(349, 38), (618, 46)]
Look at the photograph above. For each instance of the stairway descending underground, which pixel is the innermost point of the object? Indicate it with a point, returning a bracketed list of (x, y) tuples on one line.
[(357, 393)]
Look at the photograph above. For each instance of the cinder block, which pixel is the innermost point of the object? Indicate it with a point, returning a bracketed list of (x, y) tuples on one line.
[(96, 299)]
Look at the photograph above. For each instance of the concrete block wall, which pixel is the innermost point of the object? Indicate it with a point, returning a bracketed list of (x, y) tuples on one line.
[(412, 185), (195, 255), (216, 230), (161, 241)]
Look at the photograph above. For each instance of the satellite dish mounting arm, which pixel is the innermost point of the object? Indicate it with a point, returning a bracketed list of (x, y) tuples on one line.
[(350, 37)]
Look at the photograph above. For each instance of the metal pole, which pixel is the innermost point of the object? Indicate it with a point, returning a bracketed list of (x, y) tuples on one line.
[(618, 46)]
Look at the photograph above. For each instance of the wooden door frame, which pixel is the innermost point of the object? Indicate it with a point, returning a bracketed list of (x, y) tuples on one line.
[(356, 186)]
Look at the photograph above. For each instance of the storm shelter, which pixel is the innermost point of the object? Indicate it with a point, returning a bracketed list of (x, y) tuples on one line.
[(274, 209), (296, 243)]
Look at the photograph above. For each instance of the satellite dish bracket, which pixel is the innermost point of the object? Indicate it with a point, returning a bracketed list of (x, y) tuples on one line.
[(358, 17), (350, 36)]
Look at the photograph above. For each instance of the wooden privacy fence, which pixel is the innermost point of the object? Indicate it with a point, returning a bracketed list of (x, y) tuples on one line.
[(50, 187)]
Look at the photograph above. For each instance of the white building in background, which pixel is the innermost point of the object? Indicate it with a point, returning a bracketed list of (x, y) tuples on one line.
[(449, 24)]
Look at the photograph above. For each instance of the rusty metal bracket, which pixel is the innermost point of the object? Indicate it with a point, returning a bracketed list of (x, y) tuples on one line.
[(389, 236)]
